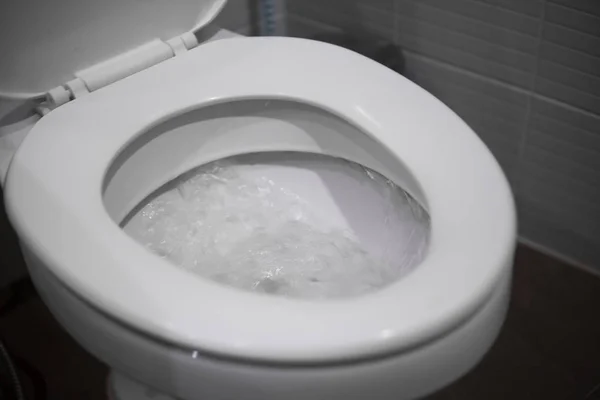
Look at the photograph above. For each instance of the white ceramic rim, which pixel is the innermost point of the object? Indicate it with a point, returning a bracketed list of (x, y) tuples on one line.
[(53, 197)]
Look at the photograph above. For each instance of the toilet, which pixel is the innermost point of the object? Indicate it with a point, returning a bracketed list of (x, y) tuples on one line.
[(168, 100)]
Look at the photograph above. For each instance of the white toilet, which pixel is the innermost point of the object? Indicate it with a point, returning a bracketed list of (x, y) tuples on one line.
[(111, 136)]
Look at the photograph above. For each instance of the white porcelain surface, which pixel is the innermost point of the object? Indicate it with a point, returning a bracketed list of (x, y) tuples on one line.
[(217, 131), (44, 44), (53, 197), (195, 375)]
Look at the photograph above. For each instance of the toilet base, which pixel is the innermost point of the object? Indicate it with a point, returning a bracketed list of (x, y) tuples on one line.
[(119, 387), (181, 374)]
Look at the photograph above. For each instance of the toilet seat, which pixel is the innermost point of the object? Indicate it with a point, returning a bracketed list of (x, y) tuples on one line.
[(65, 157)]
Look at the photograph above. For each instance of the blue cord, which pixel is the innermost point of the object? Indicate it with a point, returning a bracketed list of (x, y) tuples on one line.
[(267, 17)]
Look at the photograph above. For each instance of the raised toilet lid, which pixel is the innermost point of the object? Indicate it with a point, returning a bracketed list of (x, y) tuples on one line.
[(45, 44), (54, 200)]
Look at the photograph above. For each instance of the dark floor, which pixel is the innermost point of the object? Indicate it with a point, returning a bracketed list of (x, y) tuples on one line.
[(549, 347)]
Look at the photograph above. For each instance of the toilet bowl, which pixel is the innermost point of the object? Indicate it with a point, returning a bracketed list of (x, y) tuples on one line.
[(164, 332)]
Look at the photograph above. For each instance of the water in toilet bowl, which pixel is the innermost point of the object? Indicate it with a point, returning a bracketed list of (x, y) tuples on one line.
[(299, 227)]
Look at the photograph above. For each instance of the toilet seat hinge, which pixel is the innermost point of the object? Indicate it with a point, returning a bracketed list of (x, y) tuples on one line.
[(117, 68)]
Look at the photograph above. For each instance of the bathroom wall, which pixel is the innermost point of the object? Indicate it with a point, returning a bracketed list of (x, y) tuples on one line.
[(524, 74), (242, 16)]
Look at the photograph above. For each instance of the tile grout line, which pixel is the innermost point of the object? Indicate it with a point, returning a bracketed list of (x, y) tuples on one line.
[(528, 113), (595, 389), (461, 70), (476, 75), (395, 24), (512, 86), (571, 262), (492, 7), (435, 24)]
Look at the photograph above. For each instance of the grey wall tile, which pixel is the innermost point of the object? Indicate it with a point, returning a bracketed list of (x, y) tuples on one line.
[(568, 219), (569, 66), (496, 112), (569, 116), (533, 8), (565, 132), (459, 98), (579, 155), (589, 6), (559, 204), (573, 19), (569, 77), (582, 181), (470, 62), (575, 97), (570, 58), (496, 35), (349, 15), (483, 11), (572, 39), (306, 28), (340, 6), (541, 226), (547, 148), (468, 43), (445, 73), (476, 36), (559, 180)]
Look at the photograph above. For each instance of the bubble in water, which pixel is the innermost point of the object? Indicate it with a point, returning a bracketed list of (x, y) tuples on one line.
[(252, 232)]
